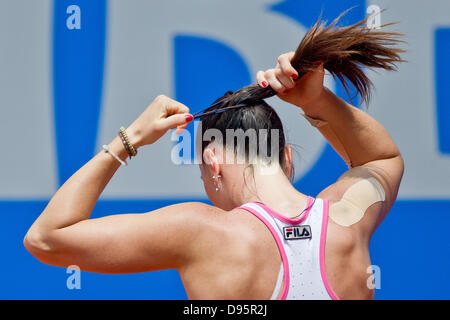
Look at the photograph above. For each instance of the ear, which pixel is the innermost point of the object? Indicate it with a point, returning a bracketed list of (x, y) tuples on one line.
[(210, 159), (288, 164)]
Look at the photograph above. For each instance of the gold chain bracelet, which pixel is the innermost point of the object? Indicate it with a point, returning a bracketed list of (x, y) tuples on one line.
[(132, 152)]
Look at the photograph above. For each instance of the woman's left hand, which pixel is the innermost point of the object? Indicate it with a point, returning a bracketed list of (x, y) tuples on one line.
[(161, 115), (304, 92)]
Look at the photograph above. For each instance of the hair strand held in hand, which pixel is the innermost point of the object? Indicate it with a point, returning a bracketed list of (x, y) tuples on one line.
[(344, 51)]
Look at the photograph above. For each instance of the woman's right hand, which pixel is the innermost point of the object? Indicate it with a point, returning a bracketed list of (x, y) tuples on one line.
[(161, 115), (302, 92)]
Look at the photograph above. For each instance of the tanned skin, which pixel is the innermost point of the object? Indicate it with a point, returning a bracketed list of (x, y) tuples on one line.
[(221, 252)]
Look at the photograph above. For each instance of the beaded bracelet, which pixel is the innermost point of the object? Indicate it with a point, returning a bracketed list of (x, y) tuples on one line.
[(124, 142), (132, 152)]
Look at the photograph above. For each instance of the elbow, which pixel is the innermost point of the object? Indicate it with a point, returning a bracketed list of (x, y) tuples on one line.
[(37, 244)]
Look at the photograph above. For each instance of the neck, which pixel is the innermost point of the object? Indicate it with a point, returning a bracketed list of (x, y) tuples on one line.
[(270, 187)]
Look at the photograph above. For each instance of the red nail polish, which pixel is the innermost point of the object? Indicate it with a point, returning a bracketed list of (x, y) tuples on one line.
[(189, 117), (264, 83), (294, 76)]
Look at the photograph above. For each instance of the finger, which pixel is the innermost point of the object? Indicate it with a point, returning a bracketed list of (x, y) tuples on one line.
[(181, 128), (274, 82), (284, 61), (284, 79), (261, 79), (175, 107), (180, 119)]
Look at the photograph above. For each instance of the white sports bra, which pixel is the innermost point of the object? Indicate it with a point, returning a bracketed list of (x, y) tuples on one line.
[(301, 242)]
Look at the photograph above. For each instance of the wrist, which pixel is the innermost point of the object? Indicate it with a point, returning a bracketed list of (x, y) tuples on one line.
[(134, 136), (116, 146)]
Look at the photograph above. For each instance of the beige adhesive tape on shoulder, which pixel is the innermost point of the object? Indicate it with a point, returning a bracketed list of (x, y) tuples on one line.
[(355, 201)]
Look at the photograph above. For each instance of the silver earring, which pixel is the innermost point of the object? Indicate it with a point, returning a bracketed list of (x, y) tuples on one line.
[(217, 187)]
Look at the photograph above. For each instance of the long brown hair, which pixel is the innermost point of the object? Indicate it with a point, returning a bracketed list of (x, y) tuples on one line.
[(344, 51)]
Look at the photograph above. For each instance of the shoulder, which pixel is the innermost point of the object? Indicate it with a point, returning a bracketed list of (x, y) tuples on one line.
[(210, 227), (362, 197), (189, 229), (212, 236), (201, 220), (191, 215), (382, 176), (217, 227)]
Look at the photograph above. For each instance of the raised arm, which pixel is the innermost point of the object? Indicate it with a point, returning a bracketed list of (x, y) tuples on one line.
[(367, 147), (65, 235), (360, 140)]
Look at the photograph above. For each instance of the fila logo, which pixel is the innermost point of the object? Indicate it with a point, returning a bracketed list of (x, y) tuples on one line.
[(298, 232)]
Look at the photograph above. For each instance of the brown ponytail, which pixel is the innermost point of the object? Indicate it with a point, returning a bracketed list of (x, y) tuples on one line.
[(343, 50)]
